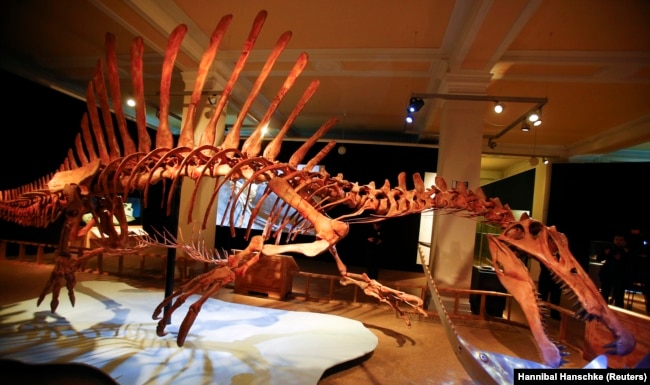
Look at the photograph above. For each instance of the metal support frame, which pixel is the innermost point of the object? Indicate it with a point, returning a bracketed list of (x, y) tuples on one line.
[(539, 103)]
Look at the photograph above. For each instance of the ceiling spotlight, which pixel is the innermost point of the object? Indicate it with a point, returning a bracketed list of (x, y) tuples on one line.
[(525, 127), (545, 160), (130, 102), (415, 104), (492, 144), (498, 107), (342, 150), (409, 119), (538, 119)]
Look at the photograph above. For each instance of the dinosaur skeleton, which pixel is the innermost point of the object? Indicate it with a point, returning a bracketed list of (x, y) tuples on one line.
[(97, 177)]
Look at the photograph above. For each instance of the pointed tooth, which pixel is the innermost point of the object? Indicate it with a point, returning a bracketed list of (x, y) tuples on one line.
[(581, 312)]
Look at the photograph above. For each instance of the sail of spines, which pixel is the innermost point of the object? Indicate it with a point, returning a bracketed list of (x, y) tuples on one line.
[(105, 140), (127, 163)]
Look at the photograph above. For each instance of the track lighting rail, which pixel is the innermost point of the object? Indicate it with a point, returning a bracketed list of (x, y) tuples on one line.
[(537, 101)]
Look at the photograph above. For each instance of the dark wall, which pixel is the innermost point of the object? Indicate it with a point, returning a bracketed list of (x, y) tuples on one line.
[(365, 163), (587, 201), (47, 122), (40, 125), (591, 201), (516, 191)]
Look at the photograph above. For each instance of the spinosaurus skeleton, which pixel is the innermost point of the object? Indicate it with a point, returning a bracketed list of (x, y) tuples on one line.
[(96, 168)]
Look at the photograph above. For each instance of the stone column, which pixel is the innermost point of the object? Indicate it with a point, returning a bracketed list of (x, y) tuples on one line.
[(459, 161), (207, 185)]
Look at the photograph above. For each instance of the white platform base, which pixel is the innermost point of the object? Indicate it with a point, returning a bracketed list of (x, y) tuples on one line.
[(111, 328)]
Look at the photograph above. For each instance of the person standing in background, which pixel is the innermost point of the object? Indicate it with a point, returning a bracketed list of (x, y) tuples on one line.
[(614, 272), (639, 277)]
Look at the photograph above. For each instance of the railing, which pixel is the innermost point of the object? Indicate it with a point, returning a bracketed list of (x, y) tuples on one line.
[(456, 295), (422, 289), (355, 296), (44, 249), (40, 249)]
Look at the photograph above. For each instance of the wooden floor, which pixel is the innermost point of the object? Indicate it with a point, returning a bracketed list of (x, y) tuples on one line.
[(420, 354)]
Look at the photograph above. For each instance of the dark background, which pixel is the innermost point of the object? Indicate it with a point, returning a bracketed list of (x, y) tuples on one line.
[(588, 202), (594, 201), (364, 163)]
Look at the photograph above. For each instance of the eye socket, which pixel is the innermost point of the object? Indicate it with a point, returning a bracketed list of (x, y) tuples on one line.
[(515, 232), (535, 228)]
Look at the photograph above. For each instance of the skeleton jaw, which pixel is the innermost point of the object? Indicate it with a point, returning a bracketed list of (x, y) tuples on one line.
[(550, 248)]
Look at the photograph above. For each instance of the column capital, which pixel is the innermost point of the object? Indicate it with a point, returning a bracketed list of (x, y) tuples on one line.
[(213, 81), (467, 82)]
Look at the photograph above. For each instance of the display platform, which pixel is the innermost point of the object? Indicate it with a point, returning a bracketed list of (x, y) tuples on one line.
[(111, 328)]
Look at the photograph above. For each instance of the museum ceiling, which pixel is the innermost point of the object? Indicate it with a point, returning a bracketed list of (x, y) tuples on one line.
[(589, 58)]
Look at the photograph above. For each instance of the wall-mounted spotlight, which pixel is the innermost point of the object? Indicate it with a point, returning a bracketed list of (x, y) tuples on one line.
[(492, 144), (525, 127), (545, 160), (415, 104), (498, 107)]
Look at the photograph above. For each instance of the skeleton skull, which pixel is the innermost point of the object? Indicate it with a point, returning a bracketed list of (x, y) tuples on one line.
[(550, 247)]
